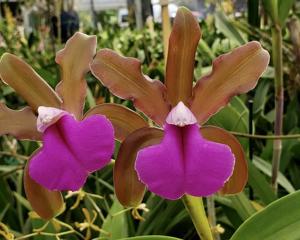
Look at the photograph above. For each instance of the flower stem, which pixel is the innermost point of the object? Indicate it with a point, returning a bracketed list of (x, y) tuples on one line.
[(279, 100), (211, 212), (195, 208)]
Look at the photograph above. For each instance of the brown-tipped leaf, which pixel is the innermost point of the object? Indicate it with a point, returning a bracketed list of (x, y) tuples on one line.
[(47, 204), (124, 120), (21, 123), (124, 79), (27, 83), (238, 179), (128, 188), (183, 43), (74, 61), (233, 73)]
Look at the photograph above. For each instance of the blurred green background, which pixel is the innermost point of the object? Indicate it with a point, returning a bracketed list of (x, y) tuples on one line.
[(36, 30)]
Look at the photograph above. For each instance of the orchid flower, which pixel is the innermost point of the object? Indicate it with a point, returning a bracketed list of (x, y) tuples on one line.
[(186, 157), (73, 146)]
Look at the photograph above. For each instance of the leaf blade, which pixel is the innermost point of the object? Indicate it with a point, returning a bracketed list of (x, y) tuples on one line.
[(258, 226)]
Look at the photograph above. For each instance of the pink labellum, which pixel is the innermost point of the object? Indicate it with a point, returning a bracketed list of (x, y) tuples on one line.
[(71, 151), (181, 116), (184, 163)]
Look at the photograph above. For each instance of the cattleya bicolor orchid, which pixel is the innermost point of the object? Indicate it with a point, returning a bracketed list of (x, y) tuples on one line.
[(73, 146), (186, 157)]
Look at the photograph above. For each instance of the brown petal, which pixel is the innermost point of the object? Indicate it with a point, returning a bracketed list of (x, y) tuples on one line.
[(74, 61), (21, 124), (124, 79), (47, 204), (27, 83), (181, 56), (238, 179), (124, 120), (233, 73), (128, 188)]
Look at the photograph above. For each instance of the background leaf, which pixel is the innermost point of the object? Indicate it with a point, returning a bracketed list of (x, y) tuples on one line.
[(284, 216)]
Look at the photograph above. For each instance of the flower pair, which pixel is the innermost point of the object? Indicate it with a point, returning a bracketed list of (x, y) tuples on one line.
[(183, 158)]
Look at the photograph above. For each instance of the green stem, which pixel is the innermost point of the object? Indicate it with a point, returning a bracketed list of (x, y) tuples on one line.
[(19, 205), (211, 212), (195, 208), (279, 103), (270, 137)]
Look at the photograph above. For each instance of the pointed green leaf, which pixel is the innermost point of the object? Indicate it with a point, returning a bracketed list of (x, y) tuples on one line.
[(266, 168), (228, 29), (284, 7), (115, 223)]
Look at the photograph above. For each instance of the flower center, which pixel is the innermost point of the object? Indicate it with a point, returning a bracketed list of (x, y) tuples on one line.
[(181, 116), (48, 116)]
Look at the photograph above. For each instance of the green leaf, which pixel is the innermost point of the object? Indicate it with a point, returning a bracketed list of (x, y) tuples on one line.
[(115, 223), (152, 237), (242, 205), (233, 117), (271, 7), (280, 220), (228, 29), (260, 98), (260, 185), (266, 168), (22, 200), (284, 7), (269, 73)]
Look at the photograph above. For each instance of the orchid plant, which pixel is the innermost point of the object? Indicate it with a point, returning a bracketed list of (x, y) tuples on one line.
[(179, 155), (172, 153)]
